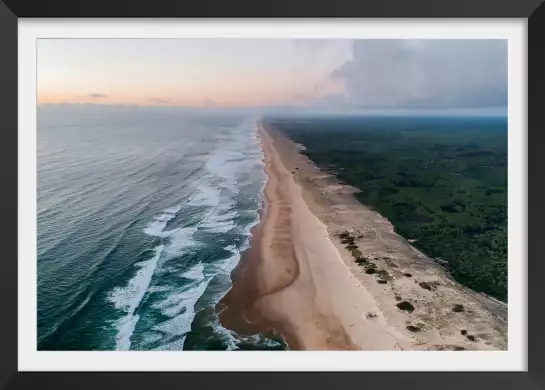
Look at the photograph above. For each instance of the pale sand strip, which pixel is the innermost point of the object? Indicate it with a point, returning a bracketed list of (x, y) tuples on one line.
[(481, 325), (304, 283), (297, 277)]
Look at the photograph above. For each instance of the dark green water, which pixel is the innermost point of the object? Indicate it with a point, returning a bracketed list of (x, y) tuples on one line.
[(142, 215)]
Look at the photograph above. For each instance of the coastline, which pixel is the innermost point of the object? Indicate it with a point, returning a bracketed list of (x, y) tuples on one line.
[(297, 276), (236, 308), (296, 284)]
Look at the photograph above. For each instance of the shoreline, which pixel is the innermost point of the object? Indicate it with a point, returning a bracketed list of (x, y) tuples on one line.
[(298, 278), (237, 312), (280, 285)]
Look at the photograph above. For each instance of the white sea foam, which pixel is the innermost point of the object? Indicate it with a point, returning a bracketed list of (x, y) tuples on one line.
[(176, 345), (156, 227), (173, 210), (227, 265), (158, 289), (180, 306), (230, 338), (227, 169), (181, 310), (205, 196), (180, 241), (176, 303), (233, 339), (129, 297), (195, 273), (221, 219), (151, 337)]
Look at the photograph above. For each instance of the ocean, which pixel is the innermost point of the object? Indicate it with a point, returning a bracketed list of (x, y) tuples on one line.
[(142, 216)]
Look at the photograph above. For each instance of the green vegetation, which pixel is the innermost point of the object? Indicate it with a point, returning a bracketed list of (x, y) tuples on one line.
[(425, 286), (458, 308), (441, 181), (407, 306), (356, 253), (383, 274)]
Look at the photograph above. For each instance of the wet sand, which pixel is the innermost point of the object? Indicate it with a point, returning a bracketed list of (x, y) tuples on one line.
[(298, 278)]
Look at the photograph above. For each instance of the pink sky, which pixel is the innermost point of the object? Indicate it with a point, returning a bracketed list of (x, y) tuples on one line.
[(189, 72)]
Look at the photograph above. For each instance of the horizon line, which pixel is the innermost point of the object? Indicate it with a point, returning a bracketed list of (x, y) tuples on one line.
[(490, 111)]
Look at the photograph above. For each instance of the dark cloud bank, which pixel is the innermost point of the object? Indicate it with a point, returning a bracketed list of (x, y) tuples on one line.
[(423, 74)]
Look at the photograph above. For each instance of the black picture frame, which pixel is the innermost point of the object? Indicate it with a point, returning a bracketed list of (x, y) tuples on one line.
[(532, 10)]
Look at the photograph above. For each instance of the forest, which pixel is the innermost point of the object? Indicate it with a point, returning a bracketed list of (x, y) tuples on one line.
[(441, 181)]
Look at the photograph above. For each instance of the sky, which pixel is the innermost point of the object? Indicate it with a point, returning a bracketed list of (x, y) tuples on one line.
[(311, 74)]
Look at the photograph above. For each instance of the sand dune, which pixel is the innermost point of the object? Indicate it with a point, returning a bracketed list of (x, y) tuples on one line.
[(298, 277)]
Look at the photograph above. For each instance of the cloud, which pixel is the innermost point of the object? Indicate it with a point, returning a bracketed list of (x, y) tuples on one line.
[(423, 74), (208, 102), (159, 100), (94, 95)]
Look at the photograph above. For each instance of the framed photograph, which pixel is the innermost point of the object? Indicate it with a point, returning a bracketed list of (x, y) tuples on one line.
[(309, 193)]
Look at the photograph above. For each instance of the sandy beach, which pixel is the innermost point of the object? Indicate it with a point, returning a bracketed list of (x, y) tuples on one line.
[(299, 278)]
